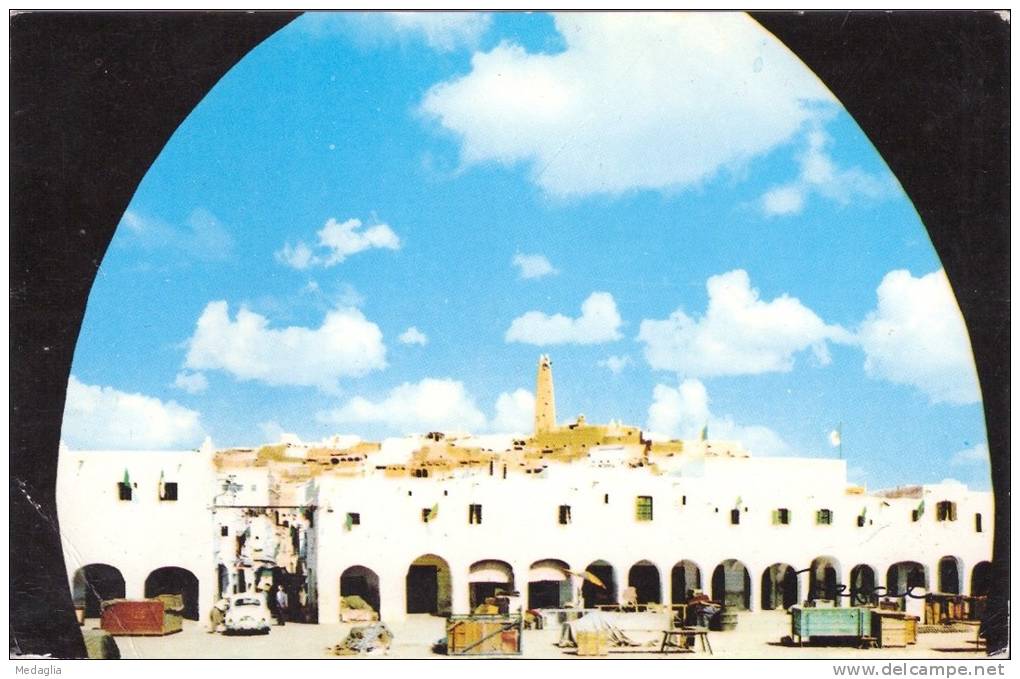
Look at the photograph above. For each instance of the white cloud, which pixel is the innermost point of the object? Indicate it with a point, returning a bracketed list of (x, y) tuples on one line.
[(431, 404), (337, 242), (105, 418), (337, 295), (739, 334), (515, 412), (348, 295), (202, 237), (413, 336), (296, 257), (683, 411), (442, 31), (344, 239), (615, 364), (599, 322), (679, 412), (916, 336), (345, 345), (820, 175), (975, 455), (193, 383), (636, 101), (271, 431), (783, 200), (533, 266), (435, 404)]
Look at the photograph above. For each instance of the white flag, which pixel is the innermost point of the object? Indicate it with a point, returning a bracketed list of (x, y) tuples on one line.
[(834, 437)]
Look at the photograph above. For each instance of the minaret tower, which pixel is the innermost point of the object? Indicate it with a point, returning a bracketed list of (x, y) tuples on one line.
[(545, 400)]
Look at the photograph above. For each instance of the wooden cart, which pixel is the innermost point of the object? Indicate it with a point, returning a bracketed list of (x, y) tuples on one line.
[(481, 635), (832, 623)]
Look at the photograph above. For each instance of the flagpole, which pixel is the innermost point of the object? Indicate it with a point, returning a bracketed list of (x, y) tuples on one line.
[(839, 428)]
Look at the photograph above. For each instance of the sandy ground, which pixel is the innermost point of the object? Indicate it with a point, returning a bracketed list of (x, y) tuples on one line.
[(757, 636)]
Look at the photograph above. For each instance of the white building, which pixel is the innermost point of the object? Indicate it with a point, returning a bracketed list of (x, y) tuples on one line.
[(443, 525)]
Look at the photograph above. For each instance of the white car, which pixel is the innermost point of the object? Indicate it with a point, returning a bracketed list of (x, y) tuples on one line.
[(247, 614)]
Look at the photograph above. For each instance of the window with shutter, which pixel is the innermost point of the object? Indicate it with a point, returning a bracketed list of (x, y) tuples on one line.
[(644, 508)]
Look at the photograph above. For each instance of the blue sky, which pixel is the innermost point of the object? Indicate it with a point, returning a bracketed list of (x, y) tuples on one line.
[(375, 224)]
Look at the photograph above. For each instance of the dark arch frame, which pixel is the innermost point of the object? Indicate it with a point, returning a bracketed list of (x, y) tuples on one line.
[(162, 65)]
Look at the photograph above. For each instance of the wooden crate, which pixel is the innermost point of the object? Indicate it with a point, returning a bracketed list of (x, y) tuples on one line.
[(890, 629), (135, 618), (911, 628), (483, 635)]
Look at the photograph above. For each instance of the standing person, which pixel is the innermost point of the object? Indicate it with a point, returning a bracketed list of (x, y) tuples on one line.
[(216, 616), (281, 605)]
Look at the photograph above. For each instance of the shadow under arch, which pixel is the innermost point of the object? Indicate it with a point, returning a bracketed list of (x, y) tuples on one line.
[(644, 577), (731, 585), (824, 579), (685, 578), (549, 584), (950, 575), (863, 582), (363, 582), (487, 578), (95, 583), (780, 587), (175, 580), (429, 585), (595, 595)]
